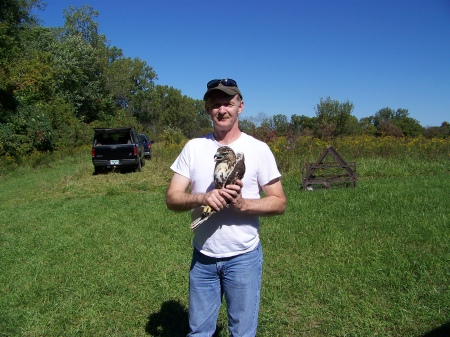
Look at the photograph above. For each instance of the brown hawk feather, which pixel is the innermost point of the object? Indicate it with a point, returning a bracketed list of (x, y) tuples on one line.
[(229, 167)]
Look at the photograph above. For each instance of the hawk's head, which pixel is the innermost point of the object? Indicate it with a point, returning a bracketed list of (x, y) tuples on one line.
[(224, 153)]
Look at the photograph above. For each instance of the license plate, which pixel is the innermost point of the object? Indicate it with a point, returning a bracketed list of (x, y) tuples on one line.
[(114, 162)]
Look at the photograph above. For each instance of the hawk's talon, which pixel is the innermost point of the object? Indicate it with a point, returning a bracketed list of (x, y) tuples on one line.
[(206, 210)]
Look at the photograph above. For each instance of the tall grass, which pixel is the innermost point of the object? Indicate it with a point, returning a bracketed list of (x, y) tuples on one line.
[(292, 154), (101, 256)]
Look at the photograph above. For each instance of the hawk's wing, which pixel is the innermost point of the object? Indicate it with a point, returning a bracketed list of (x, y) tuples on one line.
[(238, 170)]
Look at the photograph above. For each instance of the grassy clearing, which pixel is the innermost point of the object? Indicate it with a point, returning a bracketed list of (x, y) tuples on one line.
[(101, 256), (360, 262)]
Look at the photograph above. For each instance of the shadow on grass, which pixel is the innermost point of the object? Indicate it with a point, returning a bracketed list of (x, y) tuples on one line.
[(171, 321), (442, 331)]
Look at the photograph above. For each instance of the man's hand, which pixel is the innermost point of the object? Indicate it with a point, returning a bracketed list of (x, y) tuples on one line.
[(233, 195), (216, 199)]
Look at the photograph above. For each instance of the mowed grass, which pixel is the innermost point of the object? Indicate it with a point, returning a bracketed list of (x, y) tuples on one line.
[(84, 255)]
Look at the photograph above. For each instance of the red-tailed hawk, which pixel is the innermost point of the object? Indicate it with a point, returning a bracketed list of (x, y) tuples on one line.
[(229, 167)]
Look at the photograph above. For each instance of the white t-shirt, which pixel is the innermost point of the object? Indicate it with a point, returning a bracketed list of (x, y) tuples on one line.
[(228, 232)]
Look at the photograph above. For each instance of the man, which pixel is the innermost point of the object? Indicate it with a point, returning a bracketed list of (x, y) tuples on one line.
[(227, 257)]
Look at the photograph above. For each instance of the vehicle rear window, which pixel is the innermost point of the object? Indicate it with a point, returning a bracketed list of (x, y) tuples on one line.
[(112, 139)]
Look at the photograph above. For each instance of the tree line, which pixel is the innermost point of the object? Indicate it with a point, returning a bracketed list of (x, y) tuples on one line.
[(334, 118), (57, 83)]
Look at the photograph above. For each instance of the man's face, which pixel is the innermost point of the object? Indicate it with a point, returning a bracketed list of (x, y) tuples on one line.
[(223, 109)]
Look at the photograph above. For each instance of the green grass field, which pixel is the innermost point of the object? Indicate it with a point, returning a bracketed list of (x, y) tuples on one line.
[(84, 255)]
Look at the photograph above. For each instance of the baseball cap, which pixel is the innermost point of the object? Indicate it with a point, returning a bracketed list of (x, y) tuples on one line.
[(226, 85)]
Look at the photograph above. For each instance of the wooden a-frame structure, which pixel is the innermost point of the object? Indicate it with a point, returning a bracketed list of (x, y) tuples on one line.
[(327, 173)]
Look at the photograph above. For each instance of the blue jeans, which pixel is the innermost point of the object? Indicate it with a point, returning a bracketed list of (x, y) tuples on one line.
[(239, 279)]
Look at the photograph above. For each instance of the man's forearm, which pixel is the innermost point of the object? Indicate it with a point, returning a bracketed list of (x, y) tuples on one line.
[(182, 201), (271, 205)]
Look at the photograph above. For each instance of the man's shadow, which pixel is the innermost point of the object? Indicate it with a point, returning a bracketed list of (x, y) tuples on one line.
[(170, 321), (441, 331)]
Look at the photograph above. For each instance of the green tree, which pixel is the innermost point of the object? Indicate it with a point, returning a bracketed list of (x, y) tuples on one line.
[(80, 59), (31, 76), (16, 21), (280, 124), (390, 122), (79, 79), (202, 119), (332, 117), (303, 125), (26, 80), (169, 108), (409, 126), (81, 22), (247, 126), (353, 127), (442, 131), (15, 18), (367, 127), (130, 83), (265, 127)]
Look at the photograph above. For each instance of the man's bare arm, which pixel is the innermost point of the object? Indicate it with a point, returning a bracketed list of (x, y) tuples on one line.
[(273, 203)]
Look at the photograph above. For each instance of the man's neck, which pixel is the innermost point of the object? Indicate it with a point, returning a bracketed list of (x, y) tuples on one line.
[(226, 138)]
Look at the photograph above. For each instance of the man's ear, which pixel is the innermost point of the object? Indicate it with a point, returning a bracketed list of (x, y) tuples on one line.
[(241, 107)]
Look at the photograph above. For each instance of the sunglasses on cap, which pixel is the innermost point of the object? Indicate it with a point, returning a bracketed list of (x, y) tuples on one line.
[(228, 82)]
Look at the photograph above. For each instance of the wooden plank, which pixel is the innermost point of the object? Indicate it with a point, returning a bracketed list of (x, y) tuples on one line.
[(319, 167)]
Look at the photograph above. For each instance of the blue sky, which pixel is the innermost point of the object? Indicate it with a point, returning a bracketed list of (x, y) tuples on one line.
[(285, 55)]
